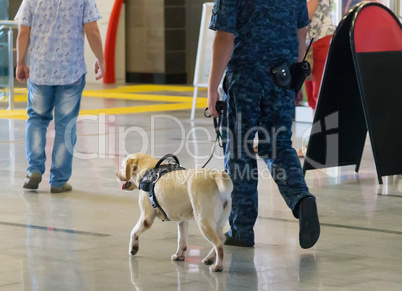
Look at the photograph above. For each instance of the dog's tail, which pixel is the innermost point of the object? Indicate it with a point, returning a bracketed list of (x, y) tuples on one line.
[(224, 182)]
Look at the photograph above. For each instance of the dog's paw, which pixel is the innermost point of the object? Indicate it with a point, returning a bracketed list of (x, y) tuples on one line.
[(175, 257), (132, 250), (216, 268), (208, 261)]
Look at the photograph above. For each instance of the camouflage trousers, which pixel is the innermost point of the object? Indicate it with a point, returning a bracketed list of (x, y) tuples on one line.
[(256, 106)]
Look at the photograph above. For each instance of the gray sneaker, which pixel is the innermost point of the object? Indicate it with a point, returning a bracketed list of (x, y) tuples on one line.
[(63, 188), (32, 181)]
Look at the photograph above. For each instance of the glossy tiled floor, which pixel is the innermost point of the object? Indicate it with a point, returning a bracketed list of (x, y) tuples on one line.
[(79, 240)]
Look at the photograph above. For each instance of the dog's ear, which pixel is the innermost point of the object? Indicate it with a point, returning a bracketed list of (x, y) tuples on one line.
[(131, 166)]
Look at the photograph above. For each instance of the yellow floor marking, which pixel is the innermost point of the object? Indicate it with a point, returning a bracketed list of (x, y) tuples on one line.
[(143, 97), (21, 114), (143, 109), (17, 98), (122, 93), (133, 89), (14, 114), (152, 88), (138, 88), (122, 96)]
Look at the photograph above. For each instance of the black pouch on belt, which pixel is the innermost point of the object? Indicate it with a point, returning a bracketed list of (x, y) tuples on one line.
[(282, 76)]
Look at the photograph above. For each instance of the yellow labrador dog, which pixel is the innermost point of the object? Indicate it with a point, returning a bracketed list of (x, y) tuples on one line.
[(203, 195)]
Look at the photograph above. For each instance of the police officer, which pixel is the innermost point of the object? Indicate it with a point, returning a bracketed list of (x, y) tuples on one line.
[(252, 37)]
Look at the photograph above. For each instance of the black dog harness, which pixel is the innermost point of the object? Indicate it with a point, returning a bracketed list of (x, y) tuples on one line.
[(152, 176)]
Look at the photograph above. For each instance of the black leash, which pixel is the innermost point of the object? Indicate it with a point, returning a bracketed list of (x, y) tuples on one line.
[(221, 108)]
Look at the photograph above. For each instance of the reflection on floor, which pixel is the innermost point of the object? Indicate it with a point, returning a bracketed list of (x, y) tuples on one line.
[(79, 240)]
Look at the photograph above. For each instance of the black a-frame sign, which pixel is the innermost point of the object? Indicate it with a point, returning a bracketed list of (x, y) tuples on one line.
[(361, 91)]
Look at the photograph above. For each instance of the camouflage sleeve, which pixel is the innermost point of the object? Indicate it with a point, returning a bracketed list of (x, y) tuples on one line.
[(224, 16), (303, 20)]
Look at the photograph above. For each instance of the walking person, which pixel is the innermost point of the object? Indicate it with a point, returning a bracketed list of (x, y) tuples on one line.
[(252, 38), (52, 33), (321, 29)]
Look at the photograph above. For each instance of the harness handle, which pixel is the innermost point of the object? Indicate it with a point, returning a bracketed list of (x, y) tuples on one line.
[(166, 157)]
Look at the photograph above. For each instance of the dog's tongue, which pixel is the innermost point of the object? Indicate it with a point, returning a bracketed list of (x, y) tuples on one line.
[(126, 185)]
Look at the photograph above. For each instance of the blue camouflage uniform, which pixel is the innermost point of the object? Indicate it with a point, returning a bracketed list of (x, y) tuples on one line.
[(265, 34)]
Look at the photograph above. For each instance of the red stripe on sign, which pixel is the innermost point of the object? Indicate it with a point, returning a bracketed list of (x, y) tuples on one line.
[(376, 30)]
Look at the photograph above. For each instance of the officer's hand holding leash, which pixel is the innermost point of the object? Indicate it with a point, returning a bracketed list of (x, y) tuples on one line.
[(220, 108), (213, 98)]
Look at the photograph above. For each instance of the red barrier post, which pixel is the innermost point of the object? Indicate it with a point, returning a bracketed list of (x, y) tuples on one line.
[(110, 45)]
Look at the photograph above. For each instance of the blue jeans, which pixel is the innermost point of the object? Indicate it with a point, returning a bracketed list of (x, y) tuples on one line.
[(257, 106), (65, 100)]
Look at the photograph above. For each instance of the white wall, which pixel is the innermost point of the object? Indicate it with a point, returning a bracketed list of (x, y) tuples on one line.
[(105, 7)]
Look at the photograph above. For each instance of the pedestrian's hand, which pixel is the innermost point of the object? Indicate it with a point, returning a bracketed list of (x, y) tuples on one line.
[(99, 68), (213, 97), (22, 73), (299, 97)]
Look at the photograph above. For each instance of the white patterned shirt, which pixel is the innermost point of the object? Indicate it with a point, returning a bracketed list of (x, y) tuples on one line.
[(321, 24), (56, 47)]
